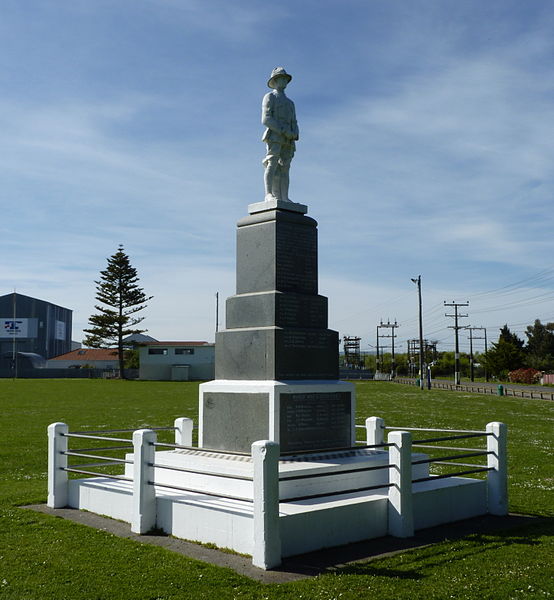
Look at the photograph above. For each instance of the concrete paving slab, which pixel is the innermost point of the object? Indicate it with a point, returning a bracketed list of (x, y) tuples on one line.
[(297, 567)]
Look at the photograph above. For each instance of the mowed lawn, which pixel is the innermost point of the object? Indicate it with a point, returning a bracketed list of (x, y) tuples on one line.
[(44, 557)]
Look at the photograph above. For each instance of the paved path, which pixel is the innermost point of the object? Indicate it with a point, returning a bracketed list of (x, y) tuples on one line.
[(305, 565)]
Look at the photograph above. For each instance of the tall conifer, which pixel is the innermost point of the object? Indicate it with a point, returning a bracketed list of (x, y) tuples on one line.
[(120, 298)]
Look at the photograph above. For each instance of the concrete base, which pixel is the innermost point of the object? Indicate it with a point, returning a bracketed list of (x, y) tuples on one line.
[(447, 500), (299, 415), (304, 525)]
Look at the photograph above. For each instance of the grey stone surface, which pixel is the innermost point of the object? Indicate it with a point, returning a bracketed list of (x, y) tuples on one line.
[(277, 330), (273, 204), (315, 420), (234, 421), (277, 250), (274, 353), (283, 309), (277, 322)]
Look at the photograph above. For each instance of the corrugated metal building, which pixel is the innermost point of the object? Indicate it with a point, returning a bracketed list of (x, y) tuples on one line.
[(32, 325)]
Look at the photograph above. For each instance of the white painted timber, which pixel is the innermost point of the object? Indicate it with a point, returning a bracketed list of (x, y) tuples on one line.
[(144, 495), (57, 462), (401, 513), (497, 479), (375, 431), (259, 515), (266, 552), (183, 431)]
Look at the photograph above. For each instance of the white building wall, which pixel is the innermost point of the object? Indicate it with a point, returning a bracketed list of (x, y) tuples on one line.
[(201, 362)]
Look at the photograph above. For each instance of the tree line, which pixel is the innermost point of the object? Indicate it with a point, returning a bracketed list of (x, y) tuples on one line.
[(507, 355)]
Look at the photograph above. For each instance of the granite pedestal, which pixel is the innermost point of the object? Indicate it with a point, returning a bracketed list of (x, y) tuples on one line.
[(276, 363)]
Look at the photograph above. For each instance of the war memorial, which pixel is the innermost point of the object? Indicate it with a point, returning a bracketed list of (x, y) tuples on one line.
[(277, 470)]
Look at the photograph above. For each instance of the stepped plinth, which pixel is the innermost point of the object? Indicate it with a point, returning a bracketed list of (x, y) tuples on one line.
[(276, 362)]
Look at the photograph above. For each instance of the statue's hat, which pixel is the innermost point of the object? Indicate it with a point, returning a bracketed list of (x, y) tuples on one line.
[(277, 72)]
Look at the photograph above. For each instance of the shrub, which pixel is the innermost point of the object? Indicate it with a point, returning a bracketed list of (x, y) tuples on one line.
[(524, 376)]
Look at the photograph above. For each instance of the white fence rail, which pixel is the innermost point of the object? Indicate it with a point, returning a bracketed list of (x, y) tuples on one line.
[(265, 457)]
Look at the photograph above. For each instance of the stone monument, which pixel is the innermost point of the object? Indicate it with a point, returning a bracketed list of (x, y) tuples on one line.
[(277, 362)]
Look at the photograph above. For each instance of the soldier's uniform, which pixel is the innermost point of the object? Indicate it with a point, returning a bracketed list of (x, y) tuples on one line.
[(279, 118)]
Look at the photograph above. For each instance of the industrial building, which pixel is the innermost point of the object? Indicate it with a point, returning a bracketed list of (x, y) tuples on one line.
[(32, 329)]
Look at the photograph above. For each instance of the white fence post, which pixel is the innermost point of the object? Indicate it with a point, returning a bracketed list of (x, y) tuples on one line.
[(144, 494), (497, 478), (183, 431), (267, 538), (58, 484), (375, 431), (401, 511)]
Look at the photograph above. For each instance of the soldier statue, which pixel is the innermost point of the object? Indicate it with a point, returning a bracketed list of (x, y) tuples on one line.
[(279, 119)]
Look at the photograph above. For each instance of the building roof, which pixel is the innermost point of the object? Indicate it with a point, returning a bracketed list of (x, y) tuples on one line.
[(89, 354), (138, 338), (18, 295), (176, 344)]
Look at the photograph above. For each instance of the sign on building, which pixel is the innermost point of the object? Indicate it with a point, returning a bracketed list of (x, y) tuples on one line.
[(17, 328), (14, 328), (60, 331)]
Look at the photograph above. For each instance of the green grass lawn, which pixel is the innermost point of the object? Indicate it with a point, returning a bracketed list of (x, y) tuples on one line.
[(47, 558)]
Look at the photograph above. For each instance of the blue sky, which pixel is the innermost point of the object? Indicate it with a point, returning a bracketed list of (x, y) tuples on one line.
[(425, 147)]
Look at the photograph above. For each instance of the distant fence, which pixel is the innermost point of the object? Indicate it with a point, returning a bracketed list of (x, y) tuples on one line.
[(355, 374), (66, 373), (475, 388)]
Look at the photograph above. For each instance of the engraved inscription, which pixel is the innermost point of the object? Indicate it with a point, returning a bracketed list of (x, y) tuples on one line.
[(296, 259), (310, 340), (307, 311), (315, 420)]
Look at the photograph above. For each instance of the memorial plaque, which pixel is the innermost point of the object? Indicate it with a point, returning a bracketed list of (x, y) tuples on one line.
[(315, 420), (296, 258), (300, 310), (234, 421)]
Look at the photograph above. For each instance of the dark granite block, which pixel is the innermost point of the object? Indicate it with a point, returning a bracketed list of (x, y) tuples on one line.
[(277, 251), (315, 420), (283, 309), (244, 354), (276, 354), (234, 421)]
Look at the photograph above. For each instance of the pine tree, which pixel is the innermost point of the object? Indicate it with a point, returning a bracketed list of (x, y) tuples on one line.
[(120, 298), (511, 338)]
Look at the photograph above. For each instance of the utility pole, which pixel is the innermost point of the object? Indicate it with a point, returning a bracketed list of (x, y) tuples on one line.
[(216, 312), (393, 326), (380, 348), (377, 363), (471, 338), (14, 330), (486, 350), (421, 350), (456, 328), (471, 371)]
